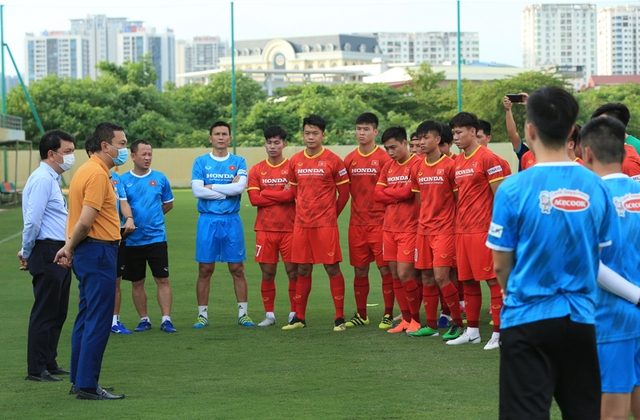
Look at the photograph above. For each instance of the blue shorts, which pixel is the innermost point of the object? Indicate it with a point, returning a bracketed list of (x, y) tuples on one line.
[(220, 238), (620, 366)]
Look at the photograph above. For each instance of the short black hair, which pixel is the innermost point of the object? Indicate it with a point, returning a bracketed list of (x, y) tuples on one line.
[(485, 126), (315, 120), (575, 135), (51, 141), (605, 137), (219, 124), (414, 134), (367, 118), (615, 110), (552, 111), (104, 131), (396, 132), (427, 126), (275, 131), (135, 144), (446, 136), (465, 119)]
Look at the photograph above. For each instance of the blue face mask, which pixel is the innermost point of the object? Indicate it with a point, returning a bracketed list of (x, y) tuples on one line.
[(123, 155)]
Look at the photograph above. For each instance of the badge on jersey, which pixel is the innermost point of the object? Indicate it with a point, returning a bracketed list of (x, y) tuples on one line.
[(232, 168), (152, 183), (627, 203), (374, 163), (563, 200)]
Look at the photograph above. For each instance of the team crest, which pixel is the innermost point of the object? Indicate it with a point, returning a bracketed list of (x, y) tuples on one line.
[(627, 203), (322, 163), (374, 163), (354, 163), (563, 200), (440, 172), (474, 165), (153, 183), (114, 182), (284, 172), (232, 168)]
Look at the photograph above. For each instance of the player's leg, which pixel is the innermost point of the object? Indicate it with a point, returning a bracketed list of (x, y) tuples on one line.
[(267, 257), (337, 286), (240, 287), (203, 286), (406, 257), (118, 327), (443, 250), (302, 255), (158, 258), (388, 296), (208, 251), (135, 271), (429, 288), (390, 255), (234, 252), (472, 292), (635, 402), (291, 268), (617, 370), (360, 256)]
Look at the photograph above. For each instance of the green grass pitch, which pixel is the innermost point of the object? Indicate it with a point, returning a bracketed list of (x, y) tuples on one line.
[(226, 371)]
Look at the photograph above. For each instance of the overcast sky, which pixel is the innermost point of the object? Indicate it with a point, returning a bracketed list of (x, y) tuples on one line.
[(497, 21)]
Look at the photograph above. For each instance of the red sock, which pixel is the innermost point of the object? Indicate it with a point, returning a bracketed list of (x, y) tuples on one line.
[(413, 294), (450, 294), (460, 287), (268, 290), (473, 302), (361, 292), (418, 282), (443, 305), (430, 300), (398, 290), (303, 289), (387, 293), (337, 293), (496, 305), (292, 295)]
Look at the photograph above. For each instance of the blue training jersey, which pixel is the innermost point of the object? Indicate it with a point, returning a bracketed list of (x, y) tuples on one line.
[(618, 319), (212, 171), (121, 194), (554, 217), (146, 194)]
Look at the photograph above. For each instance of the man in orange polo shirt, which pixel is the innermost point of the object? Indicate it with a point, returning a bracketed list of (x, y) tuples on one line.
[(93, 236)]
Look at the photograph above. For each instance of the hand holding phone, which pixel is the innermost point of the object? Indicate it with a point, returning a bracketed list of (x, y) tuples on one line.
[(515, 98)]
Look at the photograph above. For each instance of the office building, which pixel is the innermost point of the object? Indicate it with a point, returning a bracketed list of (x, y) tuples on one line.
[(435, 48), (60, 53), (137, 41)]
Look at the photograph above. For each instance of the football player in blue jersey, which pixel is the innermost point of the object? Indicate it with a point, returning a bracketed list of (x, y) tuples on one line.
[(218, 180), (548, 225), (150, 197), (617, 320)]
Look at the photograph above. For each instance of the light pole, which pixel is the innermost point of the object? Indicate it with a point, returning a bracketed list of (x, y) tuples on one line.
[(233, 84), (459, 64)]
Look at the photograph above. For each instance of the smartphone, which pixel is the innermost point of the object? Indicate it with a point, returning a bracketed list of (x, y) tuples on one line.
[(515, 98)]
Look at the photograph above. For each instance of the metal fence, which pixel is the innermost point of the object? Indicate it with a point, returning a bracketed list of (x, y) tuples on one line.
[(11, 122)]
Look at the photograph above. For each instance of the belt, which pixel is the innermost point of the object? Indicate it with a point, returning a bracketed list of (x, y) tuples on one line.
[(49, 242), (100, 241)]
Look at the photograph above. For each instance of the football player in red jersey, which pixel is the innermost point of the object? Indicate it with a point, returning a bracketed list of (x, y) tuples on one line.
[(365, 224), (270, 191), (317, 174)]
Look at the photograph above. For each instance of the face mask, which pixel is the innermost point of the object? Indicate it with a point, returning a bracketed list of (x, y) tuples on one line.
[(68, 161), (123, 155)]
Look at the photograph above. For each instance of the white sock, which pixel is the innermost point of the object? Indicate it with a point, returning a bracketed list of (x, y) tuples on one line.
[(291, 315), (495, 335), (473, 332), (203, 310), (271, 315), (462, 303), (145, 318), (116, 318), (242, 309), (166, 318)]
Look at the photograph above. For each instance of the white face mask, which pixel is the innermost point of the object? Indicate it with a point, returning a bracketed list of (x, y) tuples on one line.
[(68, 161)]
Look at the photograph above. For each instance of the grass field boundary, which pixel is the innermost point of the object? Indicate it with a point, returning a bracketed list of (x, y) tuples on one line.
[(15, 235)]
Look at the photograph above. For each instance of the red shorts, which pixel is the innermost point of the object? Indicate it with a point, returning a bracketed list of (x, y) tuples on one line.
[(434, 251), (316, 245), (270, 244), (399, 246), (365, 246), (475, 260)]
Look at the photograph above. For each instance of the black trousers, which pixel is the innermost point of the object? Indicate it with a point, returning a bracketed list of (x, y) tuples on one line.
[(554, 358), (51, 284)]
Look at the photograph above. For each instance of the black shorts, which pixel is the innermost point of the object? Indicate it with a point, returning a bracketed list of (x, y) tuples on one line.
[(121, 259), (137, 257), (546, 359)]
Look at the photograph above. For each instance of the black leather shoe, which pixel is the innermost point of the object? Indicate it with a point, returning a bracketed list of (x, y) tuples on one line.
[(59, 371), (45, 376), (99, 395), (74, 390)]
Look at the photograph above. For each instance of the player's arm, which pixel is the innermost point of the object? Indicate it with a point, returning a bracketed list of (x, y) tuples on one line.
[(401, 193), (495, 184), (200, 191), (344, 191), (258, 200), (502, 265), (613, 283), (380, 195), (512, 130), (127, 213), (235, 188), (166, 207), (281, 196)]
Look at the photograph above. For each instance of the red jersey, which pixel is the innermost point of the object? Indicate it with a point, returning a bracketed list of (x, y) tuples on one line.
[(578, 160), (506, 167), (474, 174), (316, 178), (528, 160), (264, 176), (364, 171), (403, 216), (435, 182), (631, 163)]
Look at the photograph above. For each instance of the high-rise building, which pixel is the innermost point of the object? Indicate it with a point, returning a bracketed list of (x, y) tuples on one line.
[(435, 48), (102, 32), (618, 40), (560, 36), (137, 41), (63, 54), (200, 54)]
